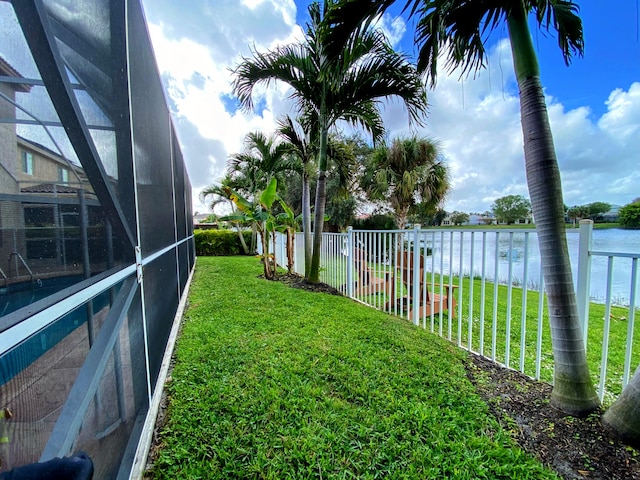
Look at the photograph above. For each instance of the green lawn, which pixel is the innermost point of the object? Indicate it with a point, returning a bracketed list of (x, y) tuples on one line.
[(275, 382), (518, 354)]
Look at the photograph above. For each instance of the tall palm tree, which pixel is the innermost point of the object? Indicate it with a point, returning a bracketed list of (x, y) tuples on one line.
[(458, 30), (347, 86), (405, 174)]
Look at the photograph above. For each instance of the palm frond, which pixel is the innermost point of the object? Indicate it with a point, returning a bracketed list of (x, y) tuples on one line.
[(289, 64), (562, 16)]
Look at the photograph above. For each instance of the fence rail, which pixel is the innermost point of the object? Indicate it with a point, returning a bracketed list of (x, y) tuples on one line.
[(483, 290)]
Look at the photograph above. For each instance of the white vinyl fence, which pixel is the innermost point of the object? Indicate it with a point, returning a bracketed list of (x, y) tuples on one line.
[(481, 290)]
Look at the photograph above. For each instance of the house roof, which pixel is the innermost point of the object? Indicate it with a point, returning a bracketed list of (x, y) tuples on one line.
[(48, 188), (9, 71)]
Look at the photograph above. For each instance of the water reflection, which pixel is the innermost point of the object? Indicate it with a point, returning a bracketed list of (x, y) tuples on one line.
[(492, 253)]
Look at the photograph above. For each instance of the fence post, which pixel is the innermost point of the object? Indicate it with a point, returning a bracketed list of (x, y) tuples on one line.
[(282, 255), (416, 275), (350, 262), (583, 286)]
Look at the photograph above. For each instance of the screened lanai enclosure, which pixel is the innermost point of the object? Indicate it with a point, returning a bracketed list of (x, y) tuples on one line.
[(96, 243)]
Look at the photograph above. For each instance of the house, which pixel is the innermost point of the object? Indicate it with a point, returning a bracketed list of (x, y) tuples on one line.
[(612, 215), (42, 198)]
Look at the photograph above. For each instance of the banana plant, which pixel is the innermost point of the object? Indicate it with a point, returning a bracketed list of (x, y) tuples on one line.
[(259, 213)]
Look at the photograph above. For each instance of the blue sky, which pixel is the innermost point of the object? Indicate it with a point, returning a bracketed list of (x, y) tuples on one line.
[(594, 105)]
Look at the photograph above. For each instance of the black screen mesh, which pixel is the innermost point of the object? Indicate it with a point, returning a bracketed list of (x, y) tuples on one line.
[(90, 168)]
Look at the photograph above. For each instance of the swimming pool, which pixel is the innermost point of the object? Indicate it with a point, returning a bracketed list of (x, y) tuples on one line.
[(15, 297)]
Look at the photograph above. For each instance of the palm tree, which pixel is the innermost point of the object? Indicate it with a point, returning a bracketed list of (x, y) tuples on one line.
[(262, 159), (301, 145), (220, 194), (406, 174), (458, 29), (624, 415), (347, 87)]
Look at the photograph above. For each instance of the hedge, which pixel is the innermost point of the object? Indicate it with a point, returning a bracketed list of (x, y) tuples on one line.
[(219, 242)]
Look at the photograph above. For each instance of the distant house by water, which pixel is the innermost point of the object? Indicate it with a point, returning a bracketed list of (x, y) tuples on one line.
[(612, 215)]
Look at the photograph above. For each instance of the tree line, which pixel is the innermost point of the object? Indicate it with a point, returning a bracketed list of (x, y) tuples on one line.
[(512, 208)]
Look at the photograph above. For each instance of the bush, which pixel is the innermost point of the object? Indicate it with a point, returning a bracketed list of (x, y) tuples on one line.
[(376, 222), (629, 215), (219, 242)]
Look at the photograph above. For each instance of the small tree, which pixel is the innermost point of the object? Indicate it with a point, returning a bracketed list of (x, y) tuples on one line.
[(408, 172), (220, 195), (510, 208), (597, 209), (258, 212), (458, 218), (576, 213), (629, 215), (487, 218)]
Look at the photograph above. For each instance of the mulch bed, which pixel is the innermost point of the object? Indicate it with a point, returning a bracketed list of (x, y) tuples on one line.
[(576, 448)]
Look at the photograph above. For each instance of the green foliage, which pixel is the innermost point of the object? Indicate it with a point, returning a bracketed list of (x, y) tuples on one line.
[(593, 210), (596, 209), (578, 212), (340, 211), (510, 208), (407, 173), (376, 222), (259, 213), (629, 215), (458, 218), (275, 382), (219, 242)]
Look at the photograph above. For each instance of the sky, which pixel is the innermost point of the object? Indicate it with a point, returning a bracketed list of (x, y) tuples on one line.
[(594, 104)]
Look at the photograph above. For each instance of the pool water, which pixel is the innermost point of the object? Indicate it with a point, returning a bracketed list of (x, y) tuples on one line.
[(17, 296)]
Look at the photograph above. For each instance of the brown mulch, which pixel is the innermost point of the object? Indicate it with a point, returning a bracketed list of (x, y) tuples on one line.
[(297, 281), (575, 448)]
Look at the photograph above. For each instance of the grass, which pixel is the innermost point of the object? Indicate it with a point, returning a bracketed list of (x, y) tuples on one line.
[(275, 382), (506, 322)]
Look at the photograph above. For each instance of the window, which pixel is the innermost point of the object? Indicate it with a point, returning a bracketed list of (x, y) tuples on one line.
[(27, 163), (63, 175)]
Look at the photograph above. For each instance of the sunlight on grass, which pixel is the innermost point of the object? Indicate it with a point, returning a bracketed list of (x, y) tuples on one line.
[(274, 382), (498, 322)]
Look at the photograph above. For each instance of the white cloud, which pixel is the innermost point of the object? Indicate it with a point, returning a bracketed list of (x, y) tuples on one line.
[(394, 28), (477, 121), (195, 49)]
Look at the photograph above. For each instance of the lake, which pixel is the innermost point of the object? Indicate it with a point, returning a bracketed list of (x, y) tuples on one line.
[(513, 245)]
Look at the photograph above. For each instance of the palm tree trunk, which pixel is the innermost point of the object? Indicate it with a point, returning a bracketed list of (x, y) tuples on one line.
[(290, 249), (245, 249), (624, 415), (254, 235), (264, 236), (573, 390), (321, 200), (401, 217), (306, 222)]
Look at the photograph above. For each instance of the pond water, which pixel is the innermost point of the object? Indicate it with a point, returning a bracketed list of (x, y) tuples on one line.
[(512, 246)]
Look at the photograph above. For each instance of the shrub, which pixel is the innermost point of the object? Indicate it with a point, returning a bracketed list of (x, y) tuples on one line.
[(629, 215), (376, 222), (219, 242)]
